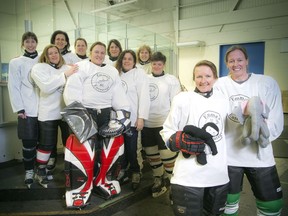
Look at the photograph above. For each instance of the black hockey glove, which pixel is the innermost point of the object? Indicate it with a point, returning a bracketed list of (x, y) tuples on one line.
[(202, 134), (188, 145), (207, 137), (193, 142)]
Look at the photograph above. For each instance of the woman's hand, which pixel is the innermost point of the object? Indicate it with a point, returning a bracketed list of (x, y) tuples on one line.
[(73, 69), (22, 115), (139, 124)]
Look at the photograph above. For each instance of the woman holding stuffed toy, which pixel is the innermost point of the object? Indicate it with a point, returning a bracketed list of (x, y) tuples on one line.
[(251, 153), (199, 183)]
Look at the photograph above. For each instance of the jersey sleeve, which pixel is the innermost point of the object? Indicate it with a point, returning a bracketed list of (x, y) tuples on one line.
[(14, 83), (73, 89), (47, 81), (144, 96), (271, 96)]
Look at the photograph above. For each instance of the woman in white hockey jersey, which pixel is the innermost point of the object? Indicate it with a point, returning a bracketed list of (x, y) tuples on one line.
[(114, 49), (61, 40), (135, 83), (198, 187), (24, 100), (144, 54), (163, 87), (254, 159), (97, 86), (50, 76)]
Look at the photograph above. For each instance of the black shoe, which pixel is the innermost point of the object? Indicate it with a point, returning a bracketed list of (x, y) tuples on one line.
[(123, 177), (136, 177), (159, 187)]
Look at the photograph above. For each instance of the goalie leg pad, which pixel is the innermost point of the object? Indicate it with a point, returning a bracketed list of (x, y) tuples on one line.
[(79, 163), (112, 149)]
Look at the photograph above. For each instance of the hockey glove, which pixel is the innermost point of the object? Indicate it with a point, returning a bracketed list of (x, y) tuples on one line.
[(117, 126), (187, 144), (202, 134)]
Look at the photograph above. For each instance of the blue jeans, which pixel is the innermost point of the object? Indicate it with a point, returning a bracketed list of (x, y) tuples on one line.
[(130, 151)]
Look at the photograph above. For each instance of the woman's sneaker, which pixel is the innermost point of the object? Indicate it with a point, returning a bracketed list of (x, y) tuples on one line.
[(159, 187), (29, 176)]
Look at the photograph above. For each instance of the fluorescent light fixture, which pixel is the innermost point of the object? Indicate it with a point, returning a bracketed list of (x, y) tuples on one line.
[(191, 43), (116, 5)]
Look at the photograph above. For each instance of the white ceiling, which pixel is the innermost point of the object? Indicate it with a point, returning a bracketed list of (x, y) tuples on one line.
[(175, 20), (187, 20)]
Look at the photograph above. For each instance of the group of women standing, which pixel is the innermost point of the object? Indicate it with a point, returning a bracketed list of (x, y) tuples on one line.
[(173, 125)]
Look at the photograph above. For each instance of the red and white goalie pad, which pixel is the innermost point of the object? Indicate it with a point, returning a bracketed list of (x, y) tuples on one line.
[(79, 167), (112, 150)]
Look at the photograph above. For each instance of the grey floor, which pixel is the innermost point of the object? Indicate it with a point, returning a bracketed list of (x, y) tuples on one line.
[(161, 206), (16, 200)]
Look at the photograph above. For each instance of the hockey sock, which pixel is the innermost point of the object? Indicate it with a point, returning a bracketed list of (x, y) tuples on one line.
[(153, 156), (232, 204), (43, 156), (168, 159), (271, 208)]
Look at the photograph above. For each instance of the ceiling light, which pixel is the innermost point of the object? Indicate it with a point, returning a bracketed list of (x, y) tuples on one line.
[(191, 43)]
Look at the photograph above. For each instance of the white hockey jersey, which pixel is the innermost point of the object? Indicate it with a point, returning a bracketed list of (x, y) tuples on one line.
[(96, 87), (51, 83), (162, 90), (135, 84), (190, 108), (268, 90), (23, 92)]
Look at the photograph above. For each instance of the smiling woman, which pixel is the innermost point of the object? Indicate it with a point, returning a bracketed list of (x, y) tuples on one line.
[(50, 76), (135, 83)]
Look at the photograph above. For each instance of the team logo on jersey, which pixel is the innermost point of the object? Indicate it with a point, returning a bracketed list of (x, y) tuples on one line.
[(125, 86), (154, 91), (211, 122), (235, 101), (101, 82)]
